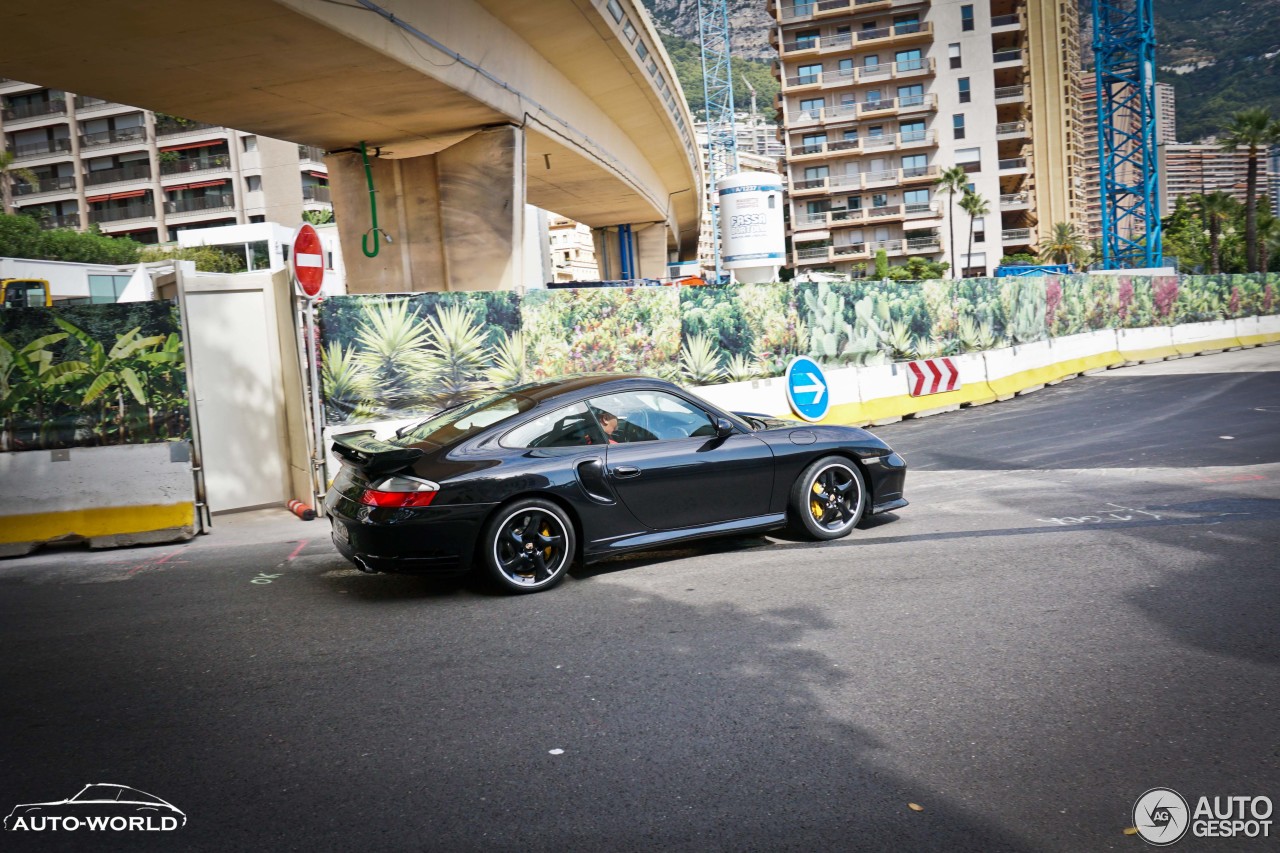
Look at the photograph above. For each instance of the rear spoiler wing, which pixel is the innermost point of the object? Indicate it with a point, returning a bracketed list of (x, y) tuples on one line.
[(373, 455)]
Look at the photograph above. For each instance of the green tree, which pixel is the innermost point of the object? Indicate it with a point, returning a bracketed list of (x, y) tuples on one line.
[(207, 258), (1268, 240), (974, 205), (1254, 130), (1065, 245), (317, 217), (1215, 209), (10, 173), (951, 182)]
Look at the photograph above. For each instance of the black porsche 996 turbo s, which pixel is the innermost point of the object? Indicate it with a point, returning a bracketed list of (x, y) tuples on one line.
[(523, 482)]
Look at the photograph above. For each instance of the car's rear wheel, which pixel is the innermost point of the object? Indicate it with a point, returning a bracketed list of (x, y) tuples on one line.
[(828, 498), (528, 546)]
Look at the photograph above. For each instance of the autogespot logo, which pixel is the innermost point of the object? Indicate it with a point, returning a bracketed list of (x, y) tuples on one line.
[(98, 808), (1160, 816)]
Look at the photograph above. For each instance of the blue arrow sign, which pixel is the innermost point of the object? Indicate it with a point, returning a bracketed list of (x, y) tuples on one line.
[(807, 391)]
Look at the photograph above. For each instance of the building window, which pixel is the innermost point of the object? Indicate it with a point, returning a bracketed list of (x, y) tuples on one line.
[(966, 18), (963, 82), (970, 159), (809, 74), (915, 165), (615, 9), (250, 144), (957, 125), (979, 229), (915, 197), (253, 183), (880, 200), (806, 39), (811, 108), (953, 53), (912, 131)]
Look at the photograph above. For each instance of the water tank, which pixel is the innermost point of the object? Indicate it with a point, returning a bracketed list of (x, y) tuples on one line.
[(752, 236)]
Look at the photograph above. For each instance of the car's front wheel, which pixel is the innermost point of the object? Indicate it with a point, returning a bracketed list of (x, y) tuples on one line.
[(828, 498), (528, 546)]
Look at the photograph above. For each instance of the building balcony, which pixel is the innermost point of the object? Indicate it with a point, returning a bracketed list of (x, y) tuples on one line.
[(809, 186), (1008, 58), (923, 245), (1016, 237), (921, 210), (917, 139), (819, 9), (1015, 201), (122, 213), (918, 175), (45, 186), (171, 126), (316, 193), (66, 220), (9, 86), (31, 150), (123, 135), (1014, 166), (137, 172), (1006, 23), (198, 206), (86, 105), (1013, 130), (823, 150), (311, 154), (843, 77), (1010, 94), (193, 165), (33, 112), (881, 36)]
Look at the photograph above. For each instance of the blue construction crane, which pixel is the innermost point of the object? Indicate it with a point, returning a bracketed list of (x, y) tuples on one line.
[(1124, 63), (717, 92)]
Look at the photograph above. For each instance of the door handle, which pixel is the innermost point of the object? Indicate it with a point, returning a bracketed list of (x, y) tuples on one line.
[(626, 471)]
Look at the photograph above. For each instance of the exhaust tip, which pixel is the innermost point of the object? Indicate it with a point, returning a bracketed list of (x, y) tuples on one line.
[(363, 566)]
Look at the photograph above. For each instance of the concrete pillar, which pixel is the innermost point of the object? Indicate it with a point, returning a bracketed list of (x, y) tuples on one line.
[(646, 247), (455, 218)]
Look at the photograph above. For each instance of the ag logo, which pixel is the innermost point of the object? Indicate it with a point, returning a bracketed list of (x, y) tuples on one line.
[(1161, 816)]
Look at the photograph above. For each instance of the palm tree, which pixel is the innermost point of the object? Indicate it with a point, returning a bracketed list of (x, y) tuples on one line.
[(8, 172), (974, 205), (1255, 130), (1216, 208), (952, 181), (1268, 240), (1065, 245)]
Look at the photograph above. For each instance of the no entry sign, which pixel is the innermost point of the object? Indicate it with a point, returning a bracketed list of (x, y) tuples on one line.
[(308, 261)]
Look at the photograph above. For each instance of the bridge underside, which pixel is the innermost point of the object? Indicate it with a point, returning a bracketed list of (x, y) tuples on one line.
[(333, 75)]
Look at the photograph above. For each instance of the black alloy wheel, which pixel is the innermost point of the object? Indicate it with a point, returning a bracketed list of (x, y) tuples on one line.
[(828, 498), (528, 546)]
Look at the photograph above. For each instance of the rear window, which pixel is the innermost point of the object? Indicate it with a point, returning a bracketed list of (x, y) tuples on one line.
[(455, 424)]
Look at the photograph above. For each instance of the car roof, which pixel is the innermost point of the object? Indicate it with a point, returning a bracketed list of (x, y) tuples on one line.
[(587, 382)]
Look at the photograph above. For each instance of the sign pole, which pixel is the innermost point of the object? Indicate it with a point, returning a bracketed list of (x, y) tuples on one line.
[(307, 262)]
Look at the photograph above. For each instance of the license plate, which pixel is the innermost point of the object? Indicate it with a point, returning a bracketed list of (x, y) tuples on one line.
[(340, 531)]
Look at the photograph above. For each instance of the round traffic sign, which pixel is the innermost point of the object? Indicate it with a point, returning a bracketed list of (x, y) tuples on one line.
[(308, 261), (807, 391)]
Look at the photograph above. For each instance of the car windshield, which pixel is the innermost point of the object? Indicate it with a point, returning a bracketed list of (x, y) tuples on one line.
[(458, 423), (98, 792)]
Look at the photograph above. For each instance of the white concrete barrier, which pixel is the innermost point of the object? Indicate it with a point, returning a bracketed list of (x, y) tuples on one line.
[(1255, 331), (1213, 336), (126, 495), (1083, 353), (1143, 345), (1018, 369)]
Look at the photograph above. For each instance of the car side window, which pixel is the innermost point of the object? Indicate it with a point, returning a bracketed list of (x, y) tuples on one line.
[(651, 416), (572, 426)]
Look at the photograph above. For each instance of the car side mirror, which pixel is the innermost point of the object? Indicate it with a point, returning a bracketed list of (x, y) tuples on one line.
[(724, 428)]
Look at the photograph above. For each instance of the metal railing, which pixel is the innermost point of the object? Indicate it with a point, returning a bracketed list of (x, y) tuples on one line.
[(879, 177), (315, 192), (311, 152), (46, 185), (1007, 55), (145, 210), (66, 220), (920, 172), (843, 40), (217, 201), (35, 110), (1012, 199), (1013, 163), (811, 184), (85, 102), (39, 149), (1010, 92), (919, 207), (175, 126), (112, 137), (886, 211), (849, 249), (1004, 20), (185, 166), (812, 252), (1016, 235), (1011, 127), (135, 172), (915, 244)]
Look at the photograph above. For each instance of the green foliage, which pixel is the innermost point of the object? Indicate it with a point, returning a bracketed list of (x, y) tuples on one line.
[(1019, 259), (917, 269), (453, 365), (207, 258), (22, 237), (699, 362), (317, 217), (63, 385), (687, 59), (882, 264)]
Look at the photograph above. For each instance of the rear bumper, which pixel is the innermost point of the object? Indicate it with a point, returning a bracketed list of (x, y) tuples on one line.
[(426, 540), (887, 476)]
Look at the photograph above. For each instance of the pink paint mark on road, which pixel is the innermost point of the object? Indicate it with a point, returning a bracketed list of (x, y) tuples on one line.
[(156, 563), (298, 550), (1234, 478)]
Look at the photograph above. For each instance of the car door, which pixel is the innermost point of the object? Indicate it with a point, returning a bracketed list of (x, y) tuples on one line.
[(666, 463)]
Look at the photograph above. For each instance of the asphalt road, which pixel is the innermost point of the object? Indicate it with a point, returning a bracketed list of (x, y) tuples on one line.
[(1081, 603)]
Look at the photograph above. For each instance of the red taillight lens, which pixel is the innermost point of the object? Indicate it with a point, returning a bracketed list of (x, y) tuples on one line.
[(400, 492)]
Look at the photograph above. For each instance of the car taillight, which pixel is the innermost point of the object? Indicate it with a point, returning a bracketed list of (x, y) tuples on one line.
[(399, 492)]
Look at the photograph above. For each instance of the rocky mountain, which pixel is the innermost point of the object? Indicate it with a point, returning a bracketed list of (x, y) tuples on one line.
[(1220, 55)]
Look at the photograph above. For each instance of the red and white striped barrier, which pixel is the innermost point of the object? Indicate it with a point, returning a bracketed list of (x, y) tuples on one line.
[(932, 376)]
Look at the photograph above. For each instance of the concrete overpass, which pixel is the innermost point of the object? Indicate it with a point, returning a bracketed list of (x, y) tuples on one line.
[(469, 109)]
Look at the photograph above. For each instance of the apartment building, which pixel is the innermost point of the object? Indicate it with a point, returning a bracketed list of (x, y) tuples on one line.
[(147, 175), (1196, 169), (573, 251), (879, 96)]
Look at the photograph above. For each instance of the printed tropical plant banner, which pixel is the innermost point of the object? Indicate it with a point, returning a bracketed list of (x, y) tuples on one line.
[(92, 375), (400, 356)]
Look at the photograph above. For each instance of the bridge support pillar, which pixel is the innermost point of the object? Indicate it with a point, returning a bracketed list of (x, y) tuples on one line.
[(455, 218), (631, 251)]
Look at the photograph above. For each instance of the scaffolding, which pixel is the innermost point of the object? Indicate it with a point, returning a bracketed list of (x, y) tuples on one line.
[(1124, 60), (717, 91)]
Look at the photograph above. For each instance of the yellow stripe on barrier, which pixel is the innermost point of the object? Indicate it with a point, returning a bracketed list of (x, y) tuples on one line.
[(1193, 347), (105, 521), (1153, 354), (1259, 340)]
